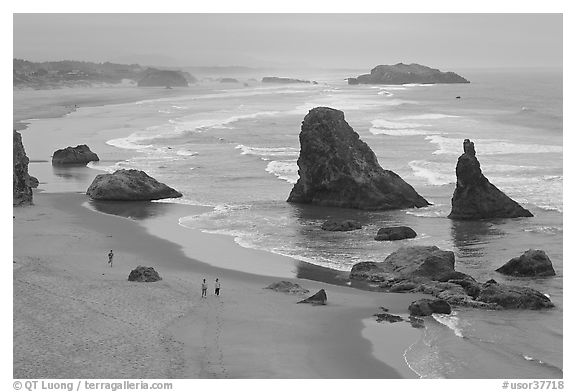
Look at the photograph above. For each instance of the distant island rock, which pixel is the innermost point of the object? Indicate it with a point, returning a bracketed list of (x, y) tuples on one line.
[(338, 169), (275, 79), (475, 197), (79, 155), (407, 73), (229, 80), (163, 78), (22, 182), (531, 263), (129, 185)]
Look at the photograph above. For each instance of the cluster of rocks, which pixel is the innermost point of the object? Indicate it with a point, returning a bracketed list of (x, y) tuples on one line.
[(341, 225), (430, 270)]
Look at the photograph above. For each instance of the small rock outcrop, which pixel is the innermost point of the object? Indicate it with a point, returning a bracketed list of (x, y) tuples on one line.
[(338, 169), (79, 155), (275, 79), (144, 274), (287, 287), (395, 233), (513, 297), (163, 78), (426, 307), (22, 182), (129, 185), (406, 73), (531, 263), (475, 197), (319, 298), (388, 317), (229, 80), (345, 225)]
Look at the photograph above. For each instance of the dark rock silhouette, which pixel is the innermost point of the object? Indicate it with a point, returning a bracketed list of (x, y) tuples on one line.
[(345, 225), (144, 274), (531, 263), (426, 307), (22, 182), (275, 79), (406, 73), (79, 155), (319, 298), (338, 169), (229, 80), (513, 297), (394, 233), (130, 185), (391, 318), (475, 197), (287, 287)]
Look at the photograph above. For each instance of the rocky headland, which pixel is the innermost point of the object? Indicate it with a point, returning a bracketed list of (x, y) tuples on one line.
[(79, 155), (407, 73), (430, 270), (163, 78), (475, 197), (129, 185), (338, 169), (22, 182), (276, 79)]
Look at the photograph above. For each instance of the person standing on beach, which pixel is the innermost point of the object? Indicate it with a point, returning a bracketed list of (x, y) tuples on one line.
[(204, 288), (217, 287), (110, 257)]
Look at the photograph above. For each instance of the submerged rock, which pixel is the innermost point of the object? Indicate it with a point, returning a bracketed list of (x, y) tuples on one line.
[(22, 183), (287, 287), (475, 197), (531, 263), (395, 233), (129, 185), (345, 225), (426, 307), (144, 274), (338, 169), (79, 155), (319, 298), (406, 73)]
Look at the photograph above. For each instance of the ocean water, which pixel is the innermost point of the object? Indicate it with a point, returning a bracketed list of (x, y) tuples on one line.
[(235, 150)]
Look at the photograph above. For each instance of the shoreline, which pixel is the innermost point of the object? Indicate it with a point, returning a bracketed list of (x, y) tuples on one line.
[(308, 349)]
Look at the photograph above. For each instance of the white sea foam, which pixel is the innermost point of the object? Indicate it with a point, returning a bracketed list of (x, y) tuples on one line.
[(434, 173), (268, 151), (186, 153), (284, 170), (451, 321), (433, 211), (453, 146), (429, 116), (388, 124), (399, 132)]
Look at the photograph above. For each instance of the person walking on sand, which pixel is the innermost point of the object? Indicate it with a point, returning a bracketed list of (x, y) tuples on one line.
[(204, 288), (217, 287), (110, 257)]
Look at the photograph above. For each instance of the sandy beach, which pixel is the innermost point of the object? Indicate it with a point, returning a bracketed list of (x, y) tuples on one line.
[(74, 317)]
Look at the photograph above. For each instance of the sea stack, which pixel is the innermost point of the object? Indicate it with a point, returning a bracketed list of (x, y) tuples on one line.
[(79, 155), (475, 197), (22, 183), (407, 73), (338, 169)]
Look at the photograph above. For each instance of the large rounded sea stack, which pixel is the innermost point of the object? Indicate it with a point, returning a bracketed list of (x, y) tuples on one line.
[(338, 169), (475, 197), (129, 185), (79, 155)]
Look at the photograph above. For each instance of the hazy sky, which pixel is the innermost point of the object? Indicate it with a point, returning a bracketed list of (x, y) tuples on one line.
[(450, 41)]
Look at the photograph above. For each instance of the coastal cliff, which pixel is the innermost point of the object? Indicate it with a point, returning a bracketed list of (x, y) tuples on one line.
[(21, 180), (406, 73), (338, 169), (163, 78), (475, 197)]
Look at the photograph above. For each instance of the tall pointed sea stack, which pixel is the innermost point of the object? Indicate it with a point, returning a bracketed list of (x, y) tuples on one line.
[(338, 169), (22, 183), (475, 197)]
